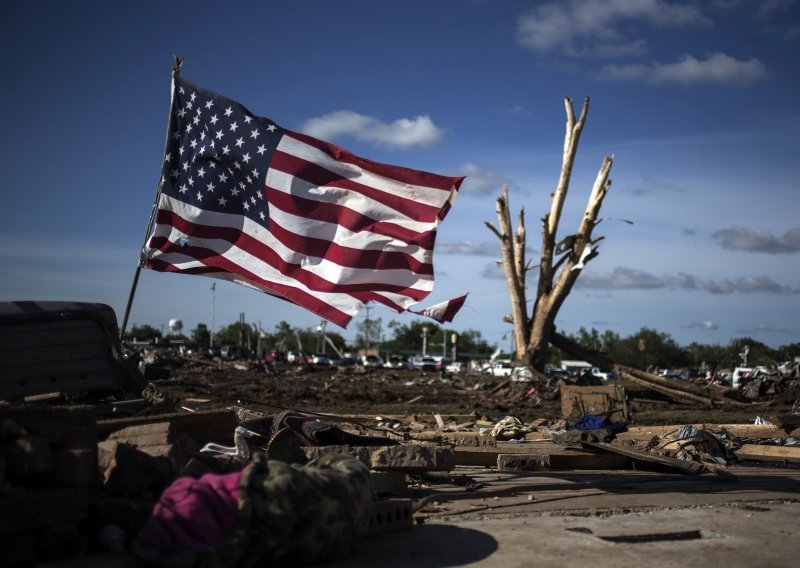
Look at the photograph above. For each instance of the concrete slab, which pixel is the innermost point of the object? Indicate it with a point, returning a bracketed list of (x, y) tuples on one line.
[(732, 536), (556, 519)]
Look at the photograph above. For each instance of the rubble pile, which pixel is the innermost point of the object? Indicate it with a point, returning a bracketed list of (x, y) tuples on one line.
[(193, 459)]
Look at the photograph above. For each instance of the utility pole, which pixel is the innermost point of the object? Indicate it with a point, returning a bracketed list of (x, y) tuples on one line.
[(453, 339), (744, 354), (367, 325), (321, 337), (241, 330), (211, 331), (424, 341), (444, 343)]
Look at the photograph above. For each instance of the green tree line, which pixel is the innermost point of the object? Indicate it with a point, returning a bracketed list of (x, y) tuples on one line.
[(402, 339), (650, 348), (645, 348)]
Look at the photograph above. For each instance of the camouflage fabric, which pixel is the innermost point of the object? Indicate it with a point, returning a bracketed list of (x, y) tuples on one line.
[(287, 514), (309, 513)]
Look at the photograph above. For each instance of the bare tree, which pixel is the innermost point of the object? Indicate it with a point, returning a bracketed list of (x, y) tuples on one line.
[(557, 276)]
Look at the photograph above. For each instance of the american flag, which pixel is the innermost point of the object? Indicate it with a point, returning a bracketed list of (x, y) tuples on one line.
[(245, 200)]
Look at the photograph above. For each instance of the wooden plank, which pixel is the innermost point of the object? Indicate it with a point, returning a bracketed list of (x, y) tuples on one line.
[(487, 456), (759, 452), (742, 430), (786, 421), (561, 461)]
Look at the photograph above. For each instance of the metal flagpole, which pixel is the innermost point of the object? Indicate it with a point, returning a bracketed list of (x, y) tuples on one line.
[(175, 71)]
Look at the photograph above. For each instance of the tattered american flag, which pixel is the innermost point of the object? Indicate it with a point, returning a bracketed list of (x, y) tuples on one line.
[(245, 200)]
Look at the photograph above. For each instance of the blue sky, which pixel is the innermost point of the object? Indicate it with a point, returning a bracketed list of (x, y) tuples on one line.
[(696, 101)]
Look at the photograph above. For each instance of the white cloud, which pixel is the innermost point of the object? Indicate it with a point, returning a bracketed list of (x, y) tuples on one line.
[(708, 325), (481, 181), (622, 278), (402, 133), (593, 29), (718, 68), (754, 240)]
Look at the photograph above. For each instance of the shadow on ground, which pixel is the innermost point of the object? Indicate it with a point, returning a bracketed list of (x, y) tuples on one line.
[(422, 546)]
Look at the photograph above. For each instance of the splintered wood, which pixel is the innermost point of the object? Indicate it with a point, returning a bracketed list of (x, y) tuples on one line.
[(606, 400)]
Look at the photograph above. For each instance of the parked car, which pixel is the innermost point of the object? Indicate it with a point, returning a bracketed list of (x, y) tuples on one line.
[(558, 374), (395, 362), (455, 367), (371, 361), (321, 360), (442, 362), (294, 357), (426, 365), (346, 362), (502, 369)]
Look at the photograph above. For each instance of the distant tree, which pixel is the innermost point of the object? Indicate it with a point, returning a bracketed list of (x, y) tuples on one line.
[(472, 341), (285, 338), (407, 338), (143, 333), (789, 352), (369, 333), (238, 334), (589, 339), (757, 353), (711, 355), (649, 348), (201, 335)]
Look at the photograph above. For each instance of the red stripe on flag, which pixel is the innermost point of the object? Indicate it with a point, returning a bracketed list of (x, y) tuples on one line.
[(268, 256), (347, 218), (320, 177), (350, 257), (294, 295), (399, 173)]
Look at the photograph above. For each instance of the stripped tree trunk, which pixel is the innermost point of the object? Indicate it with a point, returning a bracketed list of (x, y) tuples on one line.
[(556, 275)]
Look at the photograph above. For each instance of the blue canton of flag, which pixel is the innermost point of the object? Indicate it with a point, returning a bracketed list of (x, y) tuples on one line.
[(217, 154)]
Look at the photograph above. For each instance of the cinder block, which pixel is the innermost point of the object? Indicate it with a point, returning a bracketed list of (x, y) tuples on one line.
[(390, 515), (409, 458)]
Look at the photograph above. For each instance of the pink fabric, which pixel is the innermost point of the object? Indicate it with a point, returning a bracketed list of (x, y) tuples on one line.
[(193, 514)]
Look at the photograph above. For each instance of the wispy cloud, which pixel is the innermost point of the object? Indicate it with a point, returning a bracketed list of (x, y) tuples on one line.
[(754, 240), (597, 29), (763, 328), (518, 110), (468, 247), (622, 278), (650, 186), (718, 68), (480, 181), (402, 133), (707, 325), (494, 271)]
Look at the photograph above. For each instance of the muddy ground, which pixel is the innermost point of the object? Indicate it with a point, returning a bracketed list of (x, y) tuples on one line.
[(203, 384)]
